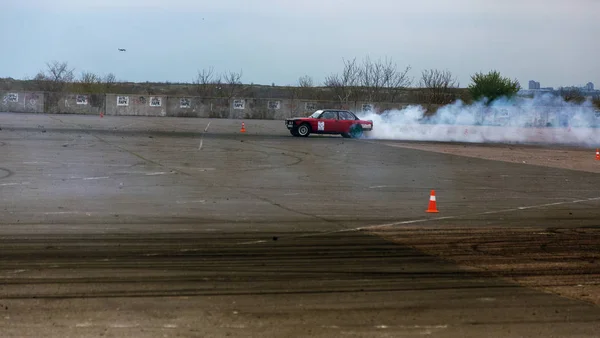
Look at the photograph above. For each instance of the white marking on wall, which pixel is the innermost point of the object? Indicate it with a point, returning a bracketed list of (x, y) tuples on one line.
[(155, 101), (185, 103), (157, 173), (11, 98), (239, 104), (122, 101), (81, 100), (95, 178), (310, 106)]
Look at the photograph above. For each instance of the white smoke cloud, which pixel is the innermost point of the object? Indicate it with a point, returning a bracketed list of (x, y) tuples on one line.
[(542, 119)]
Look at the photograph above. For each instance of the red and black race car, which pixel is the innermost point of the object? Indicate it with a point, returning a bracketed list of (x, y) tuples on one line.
[(329, 121)]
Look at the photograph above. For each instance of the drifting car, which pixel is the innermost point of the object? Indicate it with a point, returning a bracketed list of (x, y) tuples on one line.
[(329, 121)]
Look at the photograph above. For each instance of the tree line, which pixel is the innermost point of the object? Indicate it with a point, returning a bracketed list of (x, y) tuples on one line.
[(367, 80)]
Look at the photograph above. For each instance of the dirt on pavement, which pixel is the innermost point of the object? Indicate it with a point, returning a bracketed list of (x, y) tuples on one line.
[(561, 261), (562, 157)]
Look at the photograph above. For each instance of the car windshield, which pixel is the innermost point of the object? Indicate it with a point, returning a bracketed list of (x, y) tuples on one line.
[(316, 114)]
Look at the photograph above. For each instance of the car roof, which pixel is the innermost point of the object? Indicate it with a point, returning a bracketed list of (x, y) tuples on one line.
[(324, 110)]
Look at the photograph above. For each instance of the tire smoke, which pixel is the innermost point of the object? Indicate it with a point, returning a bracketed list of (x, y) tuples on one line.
[(543, 119)]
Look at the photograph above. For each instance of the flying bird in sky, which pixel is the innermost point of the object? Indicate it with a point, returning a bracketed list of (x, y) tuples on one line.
[(121, 49)]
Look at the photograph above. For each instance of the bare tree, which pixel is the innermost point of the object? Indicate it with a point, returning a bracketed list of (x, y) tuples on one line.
[(438, 85), (394, 79), (305, 82), (305, 87), (233, 84), (109, 82), (372, 79), (56, 78), (207, 83), (90, 83), (344, 85)]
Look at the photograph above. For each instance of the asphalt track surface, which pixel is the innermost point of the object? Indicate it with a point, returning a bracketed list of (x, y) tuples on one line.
[(153, 227)]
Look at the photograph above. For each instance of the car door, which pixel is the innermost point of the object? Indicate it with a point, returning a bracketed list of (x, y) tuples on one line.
[(328, 122), (346, 120)]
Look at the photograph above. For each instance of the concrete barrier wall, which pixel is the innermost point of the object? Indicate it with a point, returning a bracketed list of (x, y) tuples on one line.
[(82, 104), (22, 102), (176, 106), (136, 105), (245, 108)]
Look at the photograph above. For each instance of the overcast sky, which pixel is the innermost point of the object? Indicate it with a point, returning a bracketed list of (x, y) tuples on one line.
[(552, 41)]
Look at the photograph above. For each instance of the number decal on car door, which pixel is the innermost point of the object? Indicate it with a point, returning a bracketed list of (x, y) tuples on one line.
[(321, 125)]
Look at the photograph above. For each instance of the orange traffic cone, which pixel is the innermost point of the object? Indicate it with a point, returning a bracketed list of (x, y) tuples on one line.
[(597, 155), (432, 203), (243, 130)]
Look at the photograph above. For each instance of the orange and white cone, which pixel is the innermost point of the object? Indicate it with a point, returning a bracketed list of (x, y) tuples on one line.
[(243, 130), (597, 154), (432, 203)]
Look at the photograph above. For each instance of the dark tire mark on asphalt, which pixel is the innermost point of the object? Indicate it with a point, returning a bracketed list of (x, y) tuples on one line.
[(5, 173), (338, 224)]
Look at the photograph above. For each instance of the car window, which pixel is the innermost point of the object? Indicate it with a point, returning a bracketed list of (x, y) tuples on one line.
[(344, 115), (329, 115), (316, 114)]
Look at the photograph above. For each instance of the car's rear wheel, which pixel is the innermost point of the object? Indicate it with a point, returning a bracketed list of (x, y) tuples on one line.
[(356, 131), (303, 130)]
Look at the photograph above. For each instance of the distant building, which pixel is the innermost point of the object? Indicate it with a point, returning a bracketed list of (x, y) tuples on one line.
[(589, 87), (533, 85)]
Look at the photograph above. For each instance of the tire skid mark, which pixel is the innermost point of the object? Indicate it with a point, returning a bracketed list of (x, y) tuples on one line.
[(5, 173), (278, 205)]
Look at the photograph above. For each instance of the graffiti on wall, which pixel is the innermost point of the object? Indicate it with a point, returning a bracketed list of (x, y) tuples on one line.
[(140, 100), (274, 105), (185, 103), (310, 106), (31, 100), (239, 104), (122, 101), (81, 99), (367, 107), (11, 98), (155, 101)]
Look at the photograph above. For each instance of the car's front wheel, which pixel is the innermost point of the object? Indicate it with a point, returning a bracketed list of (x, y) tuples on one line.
[(303, 130), (294, 132)]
